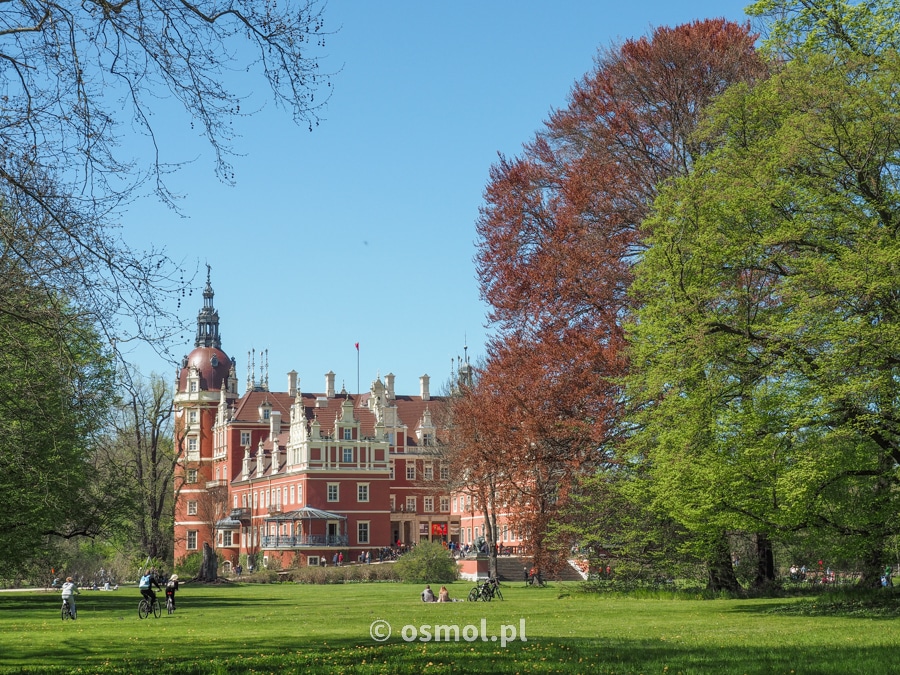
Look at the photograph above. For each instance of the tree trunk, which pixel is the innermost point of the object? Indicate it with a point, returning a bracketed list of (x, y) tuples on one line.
[(719, 567), (872, 567), (210, 565), (765, 562)]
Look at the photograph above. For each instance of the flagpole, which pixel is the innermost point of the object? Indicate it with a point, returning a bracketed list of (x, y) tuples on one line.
[(357, 373)]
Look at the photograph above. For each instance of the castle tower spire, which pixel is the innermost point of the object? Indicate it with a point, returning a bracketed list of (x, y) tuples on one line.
[(208, 319)]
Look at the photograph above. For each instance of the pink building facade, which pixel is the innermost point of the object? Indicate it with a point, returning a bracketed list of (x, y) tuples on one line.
[(299, 477)]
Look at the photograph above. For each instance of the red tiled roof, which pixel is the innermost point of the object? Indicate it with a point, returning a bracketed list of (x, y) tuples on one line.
[(410, 410)]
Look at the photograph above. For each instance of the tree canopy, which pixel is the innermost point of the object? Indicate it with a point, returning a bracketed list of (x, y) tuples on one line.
[(768, 331), (558, 236)]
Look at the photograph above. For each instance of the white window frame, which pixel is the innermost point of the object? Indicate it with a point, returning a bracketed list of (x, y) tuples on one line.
[(428, 504), (192, 507), (192, 540), (410, 470), (347, 455), (362, 492), (245, 439), (361, 536), (333, 492), (192, 448), (411, 504)]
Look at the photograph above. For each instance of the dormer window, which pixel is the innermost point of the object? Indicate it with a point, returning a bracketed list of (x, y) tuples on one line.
[(266, 414), (348, 434)]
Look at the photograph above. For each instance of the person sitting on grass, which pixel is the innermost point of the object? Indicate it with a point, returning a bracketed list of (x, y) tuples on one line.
[(427, 594), (444, 595)]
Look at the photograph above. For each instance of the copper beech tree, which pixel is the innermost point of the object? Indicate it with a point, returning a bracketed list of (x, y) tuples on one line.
[(558, 235)]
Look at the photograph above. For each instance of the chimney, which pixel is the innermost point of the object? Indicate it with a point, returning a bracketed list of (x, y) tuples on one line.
[(274, 424), (292, 383), (389, 383), (423, 386), (329, 384)]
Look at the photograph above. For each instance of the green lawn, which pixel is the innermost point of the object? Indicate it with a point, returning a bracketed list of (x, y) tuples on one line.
[(292, 628)]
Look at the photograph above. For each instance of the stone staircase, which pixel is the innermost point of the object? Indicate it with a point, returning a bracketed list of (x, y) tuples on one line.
[(510, 568)]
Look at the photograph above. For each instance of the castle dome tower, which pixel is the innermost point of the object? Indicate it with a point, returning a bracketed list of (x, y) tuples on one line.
[(207, 367)]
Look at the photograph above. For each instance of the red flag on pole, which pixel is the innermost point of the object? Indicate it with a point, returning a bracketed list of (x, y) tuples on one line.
[(357, 346)]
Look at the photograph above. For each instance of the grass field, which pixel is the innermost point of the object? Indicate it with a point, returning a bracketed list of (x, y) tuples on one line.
[(282, 628)]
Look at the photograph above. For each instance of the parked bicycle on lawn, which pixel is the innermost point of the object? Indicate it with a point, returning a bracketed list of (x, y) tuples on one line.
[(486, 591)]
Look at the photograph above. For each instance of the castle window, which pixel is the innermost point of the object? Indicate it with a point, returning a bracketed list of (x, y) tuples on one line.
[(333, 492), (362, 532), (192, 540), (192, 449), (191, 476), (348, 455), (192, 508), (245, 438), (410, 471), (362, 492), (348, 434)]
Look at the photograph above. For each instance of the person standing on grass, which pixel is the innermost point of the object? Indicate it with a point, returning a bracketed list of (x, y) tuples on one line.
[(69, 590)]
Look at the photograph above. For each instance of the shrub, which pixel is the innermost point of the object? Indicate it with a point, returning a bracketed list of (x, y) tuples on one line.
[(428, 562), (189, 566)]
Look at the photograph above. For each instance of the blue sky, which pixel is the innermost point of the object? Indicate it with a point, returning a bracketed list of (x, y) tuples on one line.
[(363, 230)]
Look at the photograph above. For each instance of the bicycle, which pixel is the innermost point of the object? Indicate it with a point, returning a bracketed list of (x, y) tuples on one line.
[(146, 608), (170, 604), (486, 592), (67, 611)]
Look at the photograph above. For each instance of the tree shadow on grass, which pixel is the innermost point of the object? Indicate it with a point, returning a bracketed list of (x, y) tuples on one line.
[(536, 656), (852, 604)]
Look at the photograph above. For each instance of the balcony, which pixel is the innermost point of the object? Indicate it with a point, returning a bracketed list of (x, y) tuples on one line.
[(214, 484), (241, 515), (304, 541), (274, 509)]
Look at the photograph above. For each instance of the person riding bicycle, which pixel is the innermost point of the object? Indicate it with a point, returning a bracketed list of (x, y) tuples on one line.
[(146, 585), (171, 588), (69, 590)]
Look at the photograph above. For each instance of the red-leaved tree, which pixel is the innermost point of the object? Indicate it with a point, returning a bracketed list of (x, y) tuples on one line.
[(558, 235)]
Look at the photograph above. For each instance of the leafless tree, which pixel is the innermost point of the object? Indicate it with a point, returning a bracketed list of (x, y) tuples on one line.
[(79, 79)]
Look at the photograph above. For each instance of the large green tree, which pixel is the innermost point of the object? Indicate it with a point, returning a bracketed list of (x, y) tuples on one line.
[(55, 384), (768, 333)]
